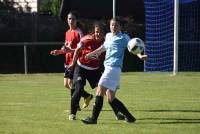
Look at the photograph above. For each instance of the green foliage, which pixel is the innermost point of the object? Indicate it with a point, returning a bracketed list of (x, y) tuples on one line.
[(50, 6), (162, 104)]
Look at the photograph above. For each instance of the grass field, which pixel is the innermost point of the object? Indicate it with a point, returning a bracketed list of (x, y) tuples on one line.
[(162, 104)]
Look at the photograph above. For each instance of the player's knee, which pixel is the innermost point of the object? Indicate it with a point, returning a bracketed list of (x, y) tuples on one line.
[(110, 99), (100, 91), (66, 85), (69, 84), (110, 96)]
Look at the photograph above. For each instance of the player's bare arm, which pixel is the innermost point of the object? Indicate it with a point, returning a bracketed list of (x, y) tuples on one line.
[(75, 58), (96, 53)]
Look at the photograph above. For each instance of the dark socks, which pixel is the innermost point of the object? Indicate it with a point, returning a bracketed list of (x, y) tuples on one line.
[(119, 106), (75, 98), (114, 108), (72, 92), (97, 107)]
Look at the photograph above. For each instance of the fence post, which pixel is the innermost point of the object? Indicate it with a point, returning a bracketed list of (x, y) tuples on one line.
[(25, 59)]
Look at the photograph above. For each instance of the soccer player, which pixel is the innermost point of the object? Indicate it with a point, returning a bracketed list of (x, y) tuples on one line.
[(86, 69), (72, 38), (114, 45)]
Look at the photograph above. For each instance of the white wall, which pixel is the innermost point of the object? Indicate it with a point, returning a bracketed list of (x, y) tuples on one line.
[(30, 3)]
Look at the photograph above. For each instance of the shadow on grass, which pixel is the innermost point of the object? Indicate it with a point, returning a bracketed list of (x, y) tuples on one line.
[(183, 119), (105, 110), (194, 111), (159, 120), (168, 121)]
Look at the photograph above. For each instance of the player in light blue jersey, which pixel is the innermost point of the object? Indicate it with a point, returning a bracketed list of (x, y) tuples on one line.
[(115, 52), (114, 45)]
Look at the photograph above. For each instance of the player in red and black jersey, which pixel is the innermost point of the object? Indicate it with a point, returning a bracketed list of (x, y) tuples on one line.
[(72, 38), (86, 69)]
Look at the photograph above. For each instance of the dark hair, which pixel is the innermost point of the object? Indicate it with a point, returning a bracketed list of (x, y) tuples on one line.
[(122, 22), (74, 13), (118, 19), (99, 24)]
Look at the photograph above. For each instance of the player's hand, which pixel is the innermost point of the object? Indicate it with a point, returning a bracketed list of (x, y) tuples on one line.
[(92, 56), (54, 52), (143, 57)]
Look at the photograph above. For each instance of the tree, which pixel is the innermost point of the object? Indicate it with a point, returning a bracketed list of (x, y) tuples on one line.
[(50, 6)]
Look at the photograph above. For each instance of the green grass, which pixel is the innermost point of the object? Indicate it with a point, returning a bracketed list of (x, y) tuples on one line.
[(162, 104)]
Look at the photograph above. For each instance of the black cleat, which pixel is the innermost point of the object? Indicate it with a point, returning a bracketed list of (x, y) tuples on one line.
[(120, 116), (89, 120), (130, 119)]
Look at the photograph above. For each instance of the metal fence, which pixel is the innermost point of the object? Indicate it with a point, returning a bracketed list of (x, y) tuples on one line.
[(25, 52)]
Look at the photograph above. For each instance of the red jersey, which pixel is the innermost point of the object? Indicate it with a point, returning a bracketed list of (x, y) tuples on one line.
[(89, 44), (72, 38)]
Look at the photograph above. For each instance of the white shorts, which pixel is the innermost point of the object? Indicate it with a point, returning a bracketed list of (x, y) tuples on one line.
[(110, 78)]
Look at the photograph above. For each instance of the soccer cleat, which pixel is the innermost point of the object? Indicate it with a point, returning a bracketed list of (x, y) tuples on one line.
[(130, 119), (72, 117), (87, 101), (120, 116), (89, 120)]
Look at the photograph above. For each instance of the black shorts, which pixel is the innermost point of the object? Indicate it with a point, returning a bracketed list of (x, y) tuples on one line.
[(69, 73), (82, 74)]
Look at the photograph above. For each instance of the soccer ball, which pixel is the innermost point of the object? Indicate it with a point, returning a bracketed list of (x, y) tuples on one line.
[(135, 46)]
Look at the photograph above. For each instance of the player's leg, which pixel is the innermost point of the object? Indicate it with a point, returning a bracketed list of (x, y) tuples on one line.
[(78, 93), (69, 83), (66, 83), (78, 84), (112, 84), (68, 80), (118, 114), (82, 74), (119, 106), (97, 106), (93, 77)]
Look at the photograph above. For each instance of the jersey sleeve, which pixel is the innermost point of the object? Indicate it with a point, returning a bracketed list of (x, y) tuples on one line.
[(80, 33), (105, 42), (80, 45), (126, 39), (87, 39)]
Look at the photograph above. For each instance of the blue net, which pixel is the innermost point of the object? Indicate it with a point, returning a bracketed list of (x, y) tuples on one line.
[(159, 34)]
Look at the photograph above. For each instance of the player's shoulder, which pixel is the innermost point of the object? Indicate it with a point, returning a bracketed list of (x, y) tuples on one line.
[(79, 30), (126, 36), (108, 35), (87, 37)]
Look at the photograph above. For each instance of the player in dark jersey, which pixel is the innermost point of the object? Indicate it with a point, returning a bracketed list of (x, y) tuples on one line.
[(72, 38)]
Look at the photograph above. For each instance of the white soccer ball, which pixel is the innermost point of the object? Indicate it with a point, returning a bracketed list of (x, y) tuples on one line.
[(135, 46)]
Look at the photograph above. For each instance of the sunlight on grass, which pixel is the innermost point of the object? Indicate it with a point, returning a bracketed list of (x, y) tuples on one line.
[(39, 104)]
